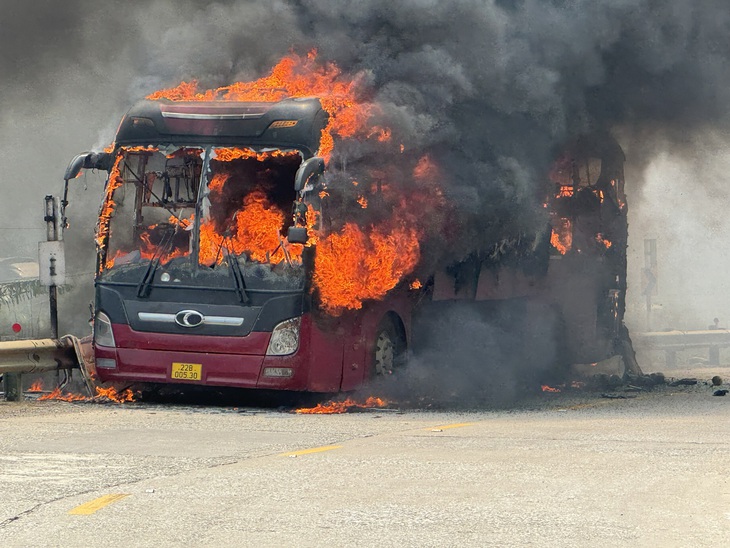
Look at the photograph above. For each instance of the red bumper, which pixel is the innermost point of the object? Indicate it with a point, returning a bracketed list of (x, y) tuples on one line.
[(142, 357)]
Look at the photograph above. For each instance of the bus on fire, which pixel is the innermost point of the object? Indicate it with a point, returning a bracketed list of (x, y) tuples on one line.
[(219, 257)]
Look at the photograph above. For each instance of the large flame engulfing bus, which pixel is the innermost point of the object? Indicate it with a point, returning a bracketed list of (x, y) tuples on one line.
[(224, 260)]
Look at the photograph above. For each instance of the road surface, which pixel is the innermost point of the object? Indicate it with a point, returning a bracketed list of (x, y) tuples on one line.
[(571, 469)]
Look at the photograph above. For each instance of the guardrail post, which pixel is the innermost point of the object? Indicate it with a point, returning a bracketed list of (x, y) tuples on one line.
[(714, 355), (13, 386)]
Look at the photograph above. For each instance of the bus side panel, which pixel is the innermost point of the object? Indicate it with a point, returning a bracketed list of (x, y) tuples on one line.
[(324, 356), (356, 352), (360, 344)]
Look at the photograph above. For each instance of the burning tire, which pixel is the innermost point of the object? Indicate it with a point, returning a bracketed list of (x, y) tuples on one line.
[(389, 348)]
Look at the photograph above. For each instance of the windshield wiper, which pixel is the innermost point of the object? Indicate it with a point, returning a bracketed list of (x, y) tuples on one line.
[(237, 274), (145, 285)]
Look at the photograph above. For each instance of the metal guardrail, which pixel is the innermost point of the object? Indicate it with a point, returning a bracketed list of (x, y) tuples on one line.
[(673, 341), (38, 355), (684, 339), (34, 356)]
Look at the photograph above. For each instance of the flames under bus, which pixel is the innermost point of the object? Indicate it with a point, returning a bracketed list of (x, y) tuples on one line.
[(204, 267)]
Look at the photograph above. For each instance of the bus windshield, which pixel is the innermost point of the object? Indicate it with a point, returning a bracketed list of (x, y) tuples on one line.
[(194, 212)]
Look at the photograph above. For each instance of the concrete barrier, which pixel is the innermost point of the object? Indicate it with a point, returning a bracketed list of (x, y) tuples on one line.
[(673, 341)]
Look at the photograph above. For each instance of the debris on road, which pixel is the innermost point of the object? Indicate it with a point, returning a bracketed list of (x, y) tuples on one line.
[(683, 382)]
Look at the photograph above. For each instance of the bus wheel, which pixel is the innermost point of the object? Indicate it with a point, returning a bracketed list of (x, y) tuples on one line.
[(389, 350)]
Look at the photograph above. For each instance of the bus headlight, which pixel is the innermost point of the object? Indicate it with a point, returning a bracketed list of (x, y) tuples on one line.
[(284, 338), (103, 335)]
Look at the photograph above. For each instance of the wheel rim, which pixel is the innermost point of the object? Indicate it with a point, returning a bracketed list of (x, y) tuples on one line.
[(384, 354)]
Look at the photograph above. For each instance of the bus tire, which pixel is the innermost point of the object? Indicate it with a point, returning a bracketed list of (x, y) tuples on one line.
[(389, 348)]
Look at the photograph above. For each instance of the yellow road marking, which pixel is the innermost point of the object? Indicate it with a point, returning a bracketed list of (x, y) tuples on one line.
[(96, 504), (449, 426), (310, 451)]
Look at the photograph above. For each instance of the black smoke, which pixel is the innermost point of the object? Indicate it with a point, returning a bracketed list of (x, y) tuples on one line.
[(490, 87)]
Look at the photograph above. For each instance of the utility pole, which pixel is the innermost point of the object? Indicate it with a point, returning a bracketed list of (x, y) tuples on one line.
[(52, 264), (52, 273)]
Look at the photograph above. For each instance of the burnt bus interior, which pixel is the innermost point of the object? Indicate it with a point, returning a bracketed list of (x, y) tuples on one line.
[(589, 237), (573, 274), (155, 206), (193, 185), (158, 194)]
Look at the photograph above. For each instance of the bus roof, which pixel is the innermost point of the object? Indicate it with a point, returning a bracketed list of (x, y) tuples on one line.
[(290, 123)]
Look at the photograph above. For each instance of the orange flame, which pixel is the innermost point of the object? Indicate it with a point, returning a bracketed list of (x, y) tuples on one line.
[(355, 265), (37, 386), (256, 227), (256, 230), (565, 191), (603, 241), (112, 395), (296, 76), (108, 205), (382, 134), (182, 223), (546, 388), (149, 250), (619, 192), (562, 236), (56, 394), (102, 394), (416, 284), (332, 407), (426, 170), (217, 182), (230, 154)]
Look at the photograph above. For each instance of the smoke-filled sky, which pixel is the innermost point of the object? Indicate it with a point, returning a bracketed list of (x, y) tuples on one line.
[(498, 84)]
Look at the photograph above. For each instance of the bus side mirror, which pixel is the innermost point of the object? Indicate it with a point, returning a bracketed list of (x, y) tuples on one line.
[(88, 160), (297, 235), (309, 168)]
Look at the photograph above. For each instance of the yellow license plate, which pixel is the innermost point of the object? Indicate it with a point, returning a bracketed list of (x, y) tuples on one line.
[(186, 371)]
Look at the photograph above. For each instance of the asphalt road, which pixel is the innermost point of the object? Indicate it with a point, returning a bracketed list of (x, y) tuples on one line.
[(562, 470)]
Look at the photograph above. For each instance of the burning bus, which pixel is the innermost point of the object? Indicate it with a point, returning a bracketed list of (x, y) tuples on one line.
[(206, 250), (229, 253)]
